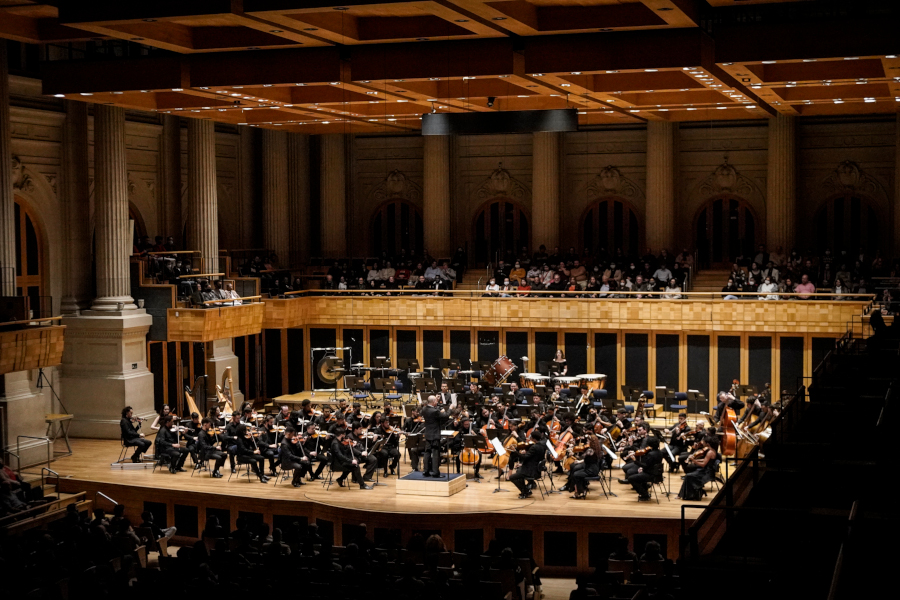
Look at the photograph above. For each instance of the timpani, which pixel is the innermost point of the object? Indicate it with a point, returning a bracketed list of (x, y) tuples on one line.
[(594, 381), (531, 380)]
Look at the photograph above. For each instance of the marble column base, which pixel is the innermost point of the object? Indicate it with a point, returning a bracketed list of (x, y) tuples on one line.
[(104, 369), (220, 356), (111, 303)]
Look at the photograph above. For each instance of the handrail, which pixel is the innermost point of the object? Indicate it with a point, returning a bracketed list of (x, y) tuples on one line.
[(221, 300), (19, 449), (167, 252), (195, 275), (99, 493), (581, 295), (49, 470), (31, 321), (34, 511)]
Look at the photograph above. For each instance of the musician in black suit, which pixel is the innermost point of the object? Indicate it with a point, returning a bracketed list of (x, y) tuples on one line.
[(390, 449), (415, 427), (344, 461), (131, 437), (230, 440), (649, 467), (433, 418), (316, 445), (248, 450), (190, 434), (639, 443), (446, 398), (293, 456), (361, 449), (530, 467), (167, 445), (206, 448)]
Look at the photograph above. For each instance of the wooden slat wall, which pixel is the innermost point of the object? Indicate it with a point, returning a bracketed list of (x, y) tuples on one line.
[(31, 348), (209, 324)]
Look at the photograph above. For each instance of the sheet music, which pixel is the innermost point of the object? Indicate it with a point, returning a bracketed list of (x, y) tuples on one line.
[(448, 432), (501, 451), (669, 450), (553, 452), (612, 454)]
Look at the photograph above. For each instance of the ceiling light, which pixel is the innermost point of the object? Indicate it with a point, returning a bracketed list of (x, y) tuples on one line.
[(462, 20), (650, 70), (891, 56), (537, 74), (634, 111), (392, 119), (869, 100), (396, 80), (566, 84), (86, 94), (809, 60), (340, 8), (267, 85), (838, 101), (275, 31), (769, 62), (221, 110), (503, 76), (499, 18), (692, 109), (727, 64), (576, 72), (434, 79), (205, 107), (177, 90), (372, 93), (612, 71), (402, 100), (851, 58), (664, 110), (522, 96), (686, 68), (59, 95)]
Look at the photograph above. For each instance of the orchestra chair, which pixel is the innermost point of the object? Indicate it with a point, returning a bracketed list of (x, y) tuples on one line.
[(123, 451), (398, 391), (680, 403), (597, 479), (241, 462), (283, 473), (202, 465), (625, 567), (161, 461), (329, 477), (649, 405), (599, 395)]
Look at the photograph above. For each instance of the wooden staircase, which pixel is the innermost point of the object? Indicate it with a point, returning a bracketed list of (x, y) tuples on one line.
[(710, 280)]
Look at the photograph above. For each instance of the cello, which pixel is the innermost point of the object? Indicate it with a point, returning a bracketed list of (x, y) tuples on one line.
[(729, 436)]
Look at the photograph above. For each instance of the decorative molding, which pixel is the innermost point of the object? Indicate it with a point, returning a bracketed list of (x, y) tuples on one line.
[(726, 179), (21, 179), (501, 183), (611, 182), (396, 186), (849, 177), (51, 179)]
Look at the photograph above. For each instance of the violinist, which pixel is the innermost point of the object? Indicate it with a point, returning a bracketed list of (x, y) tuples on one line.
[(677, 441), (530, 467), (131, 436), (215, 415), (339, 422), (293, 456), (190, 434), (343, 407), (361, 443), (355, 415), (326, 419), (390, 449), (247, 450), (268, 443), (166, 411), (706, 462), (414, 424), (284, 416), (247, 417), (695, 442), (316, 444), (649, 469), (588, 466), (344, 461), (387, 410), (306, 412), (639, 442), (230, 440), (206, 448), (474, 394), (167, 445)]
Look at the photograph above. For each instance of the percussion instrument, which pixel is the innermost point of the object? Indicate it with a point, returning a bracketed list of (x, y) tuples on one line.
[(529, 380), (500, 370), (594, 381), (565, 381)]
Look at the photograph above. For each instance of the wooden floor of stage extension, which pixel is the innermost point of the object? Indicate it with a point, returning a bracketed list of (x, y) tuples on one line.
[(476, 507)]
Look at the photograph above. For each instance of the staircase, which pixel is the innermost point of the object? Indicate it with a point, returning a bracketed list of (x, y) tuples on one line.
[(471, 277), (710, 280)]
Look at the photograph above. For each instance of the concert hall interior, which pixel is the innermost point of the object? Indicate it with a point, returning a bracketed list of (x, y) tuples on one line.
[(512, 299)]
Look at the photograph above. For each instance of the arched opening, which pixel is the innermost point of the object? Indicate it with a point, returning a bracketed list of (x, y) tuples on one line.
[(396, 226), (725, 228), (140, 229), (29, 256), (610, 223), (846, 222), (501, 226)]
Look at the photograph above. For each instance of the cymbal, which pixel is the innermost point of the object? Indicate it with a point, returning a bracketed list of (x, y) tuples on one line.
[(357, 365), (431, 368), (466, 372)]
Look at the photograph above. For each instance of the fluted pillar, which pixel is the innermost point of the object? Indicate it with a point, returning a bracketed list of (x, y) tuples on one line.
[(660, 228), (896, 237), (75, 200), (298, 197), (203, 212), (169, 203), (545, 195), (7, 200), (112, 235), (334, 196), (275, 194), (781, 184), (436, 195)]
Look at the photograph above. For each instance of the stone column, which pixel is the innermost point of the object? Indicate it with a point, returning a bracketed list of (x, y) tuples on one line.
[(275, 194), (545, 194), (298, 197), (203, 212), (896, 249), (7, 200), (660, 228), (781, 184), (333, 211), (111, 232), (75, 200), (436, 196), (170, 217)]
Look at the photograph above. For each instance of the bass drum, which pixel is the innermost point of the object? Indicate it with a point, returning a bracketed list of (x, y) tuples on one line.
[(500, 370)]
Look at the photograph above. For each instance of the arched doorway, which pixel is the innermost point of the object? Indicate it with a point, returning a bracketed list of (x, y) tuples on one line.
[(397, 225), (610, 223), (725, 227), (846, 222), (501, 227), (29, 256)]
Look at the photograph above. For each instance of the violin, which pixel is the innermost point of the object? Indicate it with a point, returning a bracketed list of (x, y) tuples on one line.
[(697, 455)]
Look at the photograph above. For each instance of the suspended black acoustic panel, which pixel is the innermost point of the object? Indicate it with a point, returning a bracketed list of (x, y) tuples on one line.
[(512, 121)]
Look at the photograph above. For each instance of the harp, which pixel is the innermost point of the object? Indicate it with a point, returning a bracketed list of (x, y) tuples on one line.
[(190, 401), (225, 391)]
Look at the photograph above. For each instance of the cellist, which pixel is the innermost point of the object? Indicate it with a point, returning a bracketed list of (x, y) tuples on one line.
[(456, 444)]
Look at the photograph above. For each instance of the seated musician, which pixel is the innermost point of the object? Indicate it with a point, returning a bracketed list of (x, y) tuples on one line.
[(355, 415), (389, 454), (339, 422), (190, 434), (247, 450), (215, 415), (206, 448), (361, 450), (584, 403), (327, 417), (414, 424), (283, 417), (695, 443), (639, 442), (387, 410), (165, 412), (247, 416), (476, 396), (516, 393), (343, 407), (306, 411), (484, 418), (293, 456), (230, 440), (344, 460), (588, 466), (167, 445), (268, 443), (753, 409), (705, 461), (530, 467), (445, 397), (316, 444), (131, 437), (677, 441), (457, 443), (649, 468), (726, 400)]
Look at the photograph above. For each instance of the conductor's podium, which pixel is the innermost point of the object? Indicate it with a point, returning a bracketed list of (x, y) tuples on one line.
[(416, 484)]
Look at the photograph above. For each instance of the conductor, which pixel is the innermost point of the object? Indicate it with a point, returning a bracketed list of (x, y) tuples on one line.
[(433, 418)]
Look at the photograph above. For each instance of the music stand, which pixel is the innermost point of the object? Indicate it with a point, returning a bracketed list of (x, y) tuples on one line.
[(383, 385), (423, 384), (696, 402), (746, 390), (415, 441), (544, 367), (382, 363), (494, 434), (458, 387)]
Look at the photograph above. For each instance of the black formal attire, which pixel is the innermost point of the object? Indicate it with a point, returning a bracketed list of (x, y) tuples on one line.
[(530, 469), (369, 461), (456, 445), (265, 439), (677, 446), (342, 461), (319, 446), (650, 466), (246, 452), (164, 447), (589, 467), (190, 435), (631, 466), (282, 420), (390, 452), (206, 450), (230, 441), (292, 457), (446, 399), (692, 488), (132, 438), (410, 426), (433, 418)]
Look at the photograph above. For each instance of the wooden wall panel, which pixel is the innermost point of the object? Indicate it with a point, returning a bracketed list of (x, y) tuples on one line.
[(209, 324), (31, 348)]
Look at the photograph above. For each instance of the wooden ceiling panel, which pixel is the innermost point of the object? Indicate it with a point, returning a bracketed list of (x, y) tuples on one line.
[(643, 81), (826, 70), (829, 92)]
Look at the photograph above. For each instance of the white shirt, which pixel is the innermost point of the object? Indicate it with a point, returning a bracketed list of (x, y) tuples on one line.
[(769, 289), (432, 272)]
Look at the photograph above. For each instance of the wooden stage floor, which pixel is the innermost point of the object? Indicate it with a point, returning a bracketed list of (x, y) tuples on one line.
[(477, 507)]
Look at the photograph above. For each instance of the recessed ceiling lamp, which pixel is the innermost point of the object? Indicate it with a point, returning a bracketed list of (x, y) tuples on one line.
[(869, 99), (267, 85), (838, 101), (59, 95), (851, 58), (769, 62), (177, 90), (576, 72), (650, 70), (86, 94), (809, 60), (275, 31), (891, 56), (566, 84), (499, 18)]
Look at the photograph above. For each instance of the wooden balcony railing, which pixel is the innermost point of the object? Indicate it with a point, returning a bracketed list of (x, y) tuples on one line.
[(220, 320), (31, 344)]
